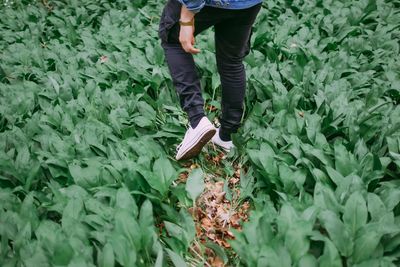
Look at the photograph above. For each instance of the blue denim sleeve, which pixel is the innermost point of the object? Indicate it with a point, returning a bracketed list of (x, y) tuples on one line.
[(193, 5)]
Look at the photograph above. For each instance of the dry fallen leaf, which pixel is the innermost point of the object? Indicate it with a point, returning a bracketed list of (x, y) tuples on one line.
[(103, 59), (216, 262), (183, 177), (234, 180)]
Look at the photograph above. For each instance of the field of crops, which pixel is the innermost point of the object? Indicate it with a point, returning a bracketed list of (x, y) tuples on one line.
[(89, 122)]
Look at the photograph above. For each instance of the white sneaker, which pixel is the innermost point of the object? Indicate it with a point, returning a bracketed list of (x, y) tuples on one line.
[(225, 145), (195, 139)]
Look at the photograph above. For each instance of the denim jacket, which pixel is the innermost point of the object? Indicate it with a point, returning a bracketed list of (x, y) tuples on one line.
[(196, 5)]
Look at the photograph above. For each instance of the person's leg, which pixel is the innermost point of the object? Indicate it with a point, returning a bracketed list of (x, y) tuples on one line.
[(232, 45), (180, 63), (185, 79)]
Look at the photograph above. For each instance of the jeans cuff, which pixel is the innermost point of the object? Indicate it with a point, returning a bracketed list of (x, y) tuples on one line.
[(193, 111)]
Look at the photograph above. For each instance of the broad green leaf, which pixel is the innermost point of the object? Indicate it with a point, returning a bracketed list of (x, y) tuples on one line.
[(176, 259), (287, 217), (313, 126), (63, 253), (253, 231), (162, 176), (325, 198), (142, 121), (384, 261), (345, 162), (47, 231), (125, 201), (355, 212), (310, 214), (287, 177), (337, 231), (331, 256), (86, 175), (390, 195), (376, 207), (23, 237), (318, 154), (392, 244), (349, 184), (128, 227), (264, 158), (296, 239), (271, 256), (320, 176), (268, 256), (195, 183), (146, 222), (335, 176), (308, 260), (28, 211), (106, 256), (366, 242), (99, 209), (71, 218), (187, 223), (178, 232), (160, 259), (125, 252), (38, 258), (388, 225)]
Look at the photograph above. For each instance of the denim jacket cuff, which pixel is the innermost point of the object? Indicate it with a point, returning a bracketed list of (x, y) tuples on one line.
[(193, 5)]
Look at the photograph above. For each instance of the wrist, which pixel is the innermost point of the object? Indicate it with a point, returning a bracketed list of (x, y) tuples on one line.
[(186, 15), (183, 22)]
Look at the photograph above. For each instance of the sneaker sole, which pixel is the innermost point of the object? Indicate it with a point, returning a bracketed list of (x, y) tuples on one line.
[(196, 149)]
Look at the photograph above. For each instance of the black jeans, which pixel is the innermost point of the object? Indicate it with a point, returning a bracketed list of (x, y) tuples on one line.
[(232, 43)]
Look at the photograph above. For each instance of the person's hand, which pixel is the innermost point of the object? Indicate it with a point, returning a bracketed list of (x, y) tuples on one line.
[(186, 34), (186, 38)]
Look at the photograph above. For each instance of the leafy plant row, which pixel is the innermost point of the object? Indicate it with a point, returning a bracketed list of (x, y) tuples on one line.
[(85, 180), (322, 138)]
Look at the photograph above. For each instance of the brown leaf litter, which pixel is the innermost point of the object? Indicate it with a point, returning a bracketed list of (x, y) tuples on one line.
[(215, 216)]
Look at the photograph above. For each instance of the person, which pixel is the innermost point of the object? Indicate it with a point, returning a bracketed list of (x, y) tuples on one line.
[(180, 22)]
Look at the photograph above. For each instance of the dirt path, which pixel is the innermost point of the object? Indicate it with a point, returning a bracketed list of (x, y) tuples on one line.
[(219, 211)]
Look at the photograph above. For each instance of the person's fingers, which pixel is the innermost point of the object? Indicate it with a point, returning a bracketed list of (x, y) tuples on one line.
[(189, 48), (187, 41), (194, 50)]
